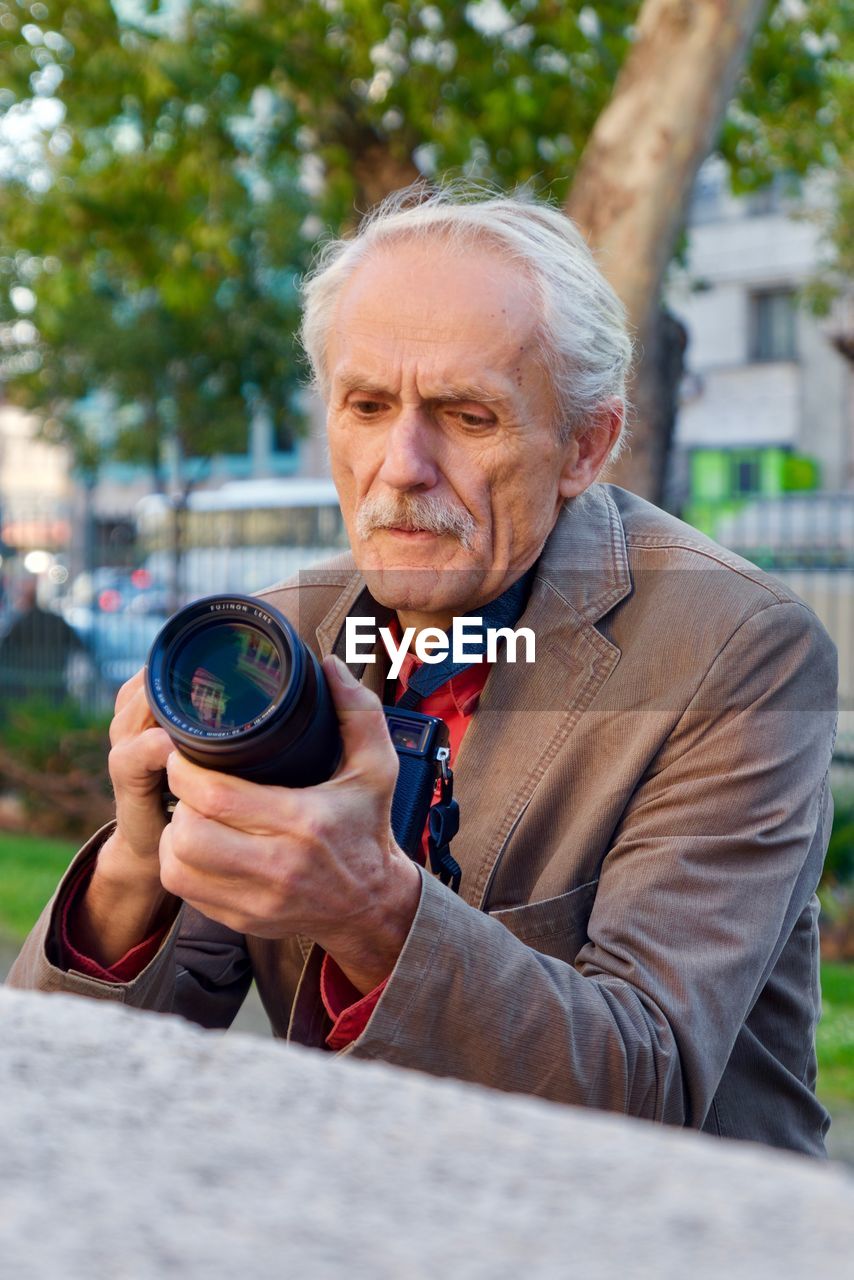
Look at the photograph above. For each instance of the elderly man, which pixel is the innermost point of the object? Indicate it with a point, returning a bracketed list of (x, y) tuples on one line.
[(645, 807)]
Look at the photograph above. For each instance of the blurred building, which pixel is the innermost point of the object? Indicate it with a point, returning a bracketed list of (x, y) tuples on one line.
[(48, 506), (36, 492), (766, 400)]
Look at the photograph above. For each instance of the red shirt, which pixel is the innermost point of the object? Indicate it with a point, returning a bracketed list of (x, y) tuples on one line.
[(455, 703)]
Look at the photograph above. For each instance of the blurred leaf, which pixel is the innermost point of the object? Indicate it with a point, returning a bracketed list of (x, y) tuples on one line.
[(163, 191)]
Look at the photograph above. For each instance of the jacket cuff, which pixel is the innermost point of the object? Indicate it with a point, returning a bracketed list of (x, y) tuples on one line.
[(418, 968), (348, 1009), (310, 1021), (127, 967), (40, 964)]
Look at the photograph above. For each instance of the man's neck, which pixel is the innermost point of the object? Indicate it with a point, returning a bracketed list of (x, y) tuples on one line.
[(443, 619), (421, 621)]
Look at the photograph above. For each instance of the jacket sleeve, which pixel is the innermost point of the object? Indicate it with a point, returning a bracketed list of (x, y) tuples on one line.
[(201, 971), (716, 855)]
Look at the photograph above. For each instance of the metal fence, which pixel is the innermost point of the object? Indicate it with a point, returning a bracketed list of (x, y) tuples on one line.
[(76, 629), (807, 540), (93, 624)]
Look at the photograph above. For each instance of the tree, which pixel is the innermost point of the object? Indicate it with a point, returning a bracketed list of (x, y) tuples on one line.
[(140, 230), (193, 145), (635, 177)]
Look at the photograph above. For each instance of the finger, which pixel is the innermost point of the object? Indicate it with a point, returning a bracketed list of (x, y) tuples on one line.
[(236, 920), (217, 869), (206, 848), (367, 745), (245, 806), (137, 762), (133, 717), (129, 689)]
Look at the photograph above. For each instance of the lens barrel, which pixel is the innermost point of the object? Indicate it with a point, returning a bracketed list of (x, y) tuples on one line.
[(237, 690)]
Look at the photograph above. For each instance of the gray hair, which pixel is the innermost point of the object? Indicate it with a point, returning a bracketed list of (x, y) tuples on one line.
[(586, 350)]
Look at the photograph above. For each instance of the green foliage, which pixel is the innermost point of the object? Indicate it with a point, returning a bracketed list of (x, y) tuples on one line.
[(839, 863), (835, 1035), (189, 155), (160, 258), (836, 891), (792, 112), (788, 113), (61, 737), (54, 757), (512, 99)]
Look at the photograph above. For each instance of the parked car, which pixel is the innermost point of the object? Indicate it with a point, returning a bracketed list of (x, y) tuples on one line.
[(116, 645), (110, 590)]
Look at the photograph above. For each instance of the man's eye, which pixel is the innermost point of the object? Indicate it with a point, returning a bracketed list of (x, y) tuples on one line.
[(468, 419), (367, 408)]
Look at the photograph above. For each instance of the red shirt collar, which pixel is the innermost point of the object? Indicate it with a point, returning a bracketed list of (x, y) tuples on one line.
[(460, 694)]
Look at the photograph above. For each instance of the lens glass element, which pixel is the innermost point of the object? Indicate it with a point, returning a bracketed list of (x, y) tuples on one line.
[(225, 675)]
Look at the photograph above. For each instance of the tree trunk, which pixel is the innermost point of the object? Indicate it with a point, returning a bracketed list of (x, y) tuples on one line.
[(631, 189), (655, 401), (378, 172)]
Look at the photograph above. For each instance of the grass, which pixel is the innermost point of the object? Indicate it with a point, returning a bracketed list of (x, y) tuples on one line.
[(30, 869)]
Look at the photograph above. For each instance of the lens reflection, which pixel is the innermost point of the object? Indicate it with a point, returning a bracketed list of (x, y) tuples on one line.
[(225, 676)]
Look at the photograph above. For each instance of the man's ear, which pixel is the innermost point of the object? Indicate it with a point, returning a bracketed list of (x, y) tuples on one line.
[(589, 449)]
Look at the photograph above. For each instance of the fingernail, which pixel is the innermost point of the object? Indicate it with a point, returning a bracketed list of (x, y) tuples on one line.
[(343, 673)]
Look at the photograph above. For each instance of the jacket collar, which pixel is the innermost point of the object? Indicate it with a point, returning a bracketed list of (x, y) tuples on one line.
[(585, 558)]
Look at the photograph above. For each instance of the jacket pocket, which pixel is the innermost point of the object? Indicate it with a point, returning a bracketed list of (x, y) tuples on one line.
[(556, 926)]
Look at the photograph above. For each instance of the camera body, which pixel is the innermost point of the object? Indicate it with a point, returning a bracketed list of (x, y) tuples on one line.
[(421, 743), (237, 690)]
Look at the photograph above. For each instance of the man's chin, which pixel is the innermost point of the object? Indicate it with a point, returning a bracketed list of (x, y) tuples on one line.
[(422, 590)]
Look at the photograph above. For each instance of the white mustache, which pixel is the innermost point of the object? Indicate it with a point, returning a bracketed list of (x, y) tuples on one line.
[(413, 512)]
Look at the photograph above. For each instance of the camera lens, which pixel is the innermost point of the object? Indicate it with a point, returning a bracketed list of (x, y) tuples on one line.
[(236, 689), (224, 676)]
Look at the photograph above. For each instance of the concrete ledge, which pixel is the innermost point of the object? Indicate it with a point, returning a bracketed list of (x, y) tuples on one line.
[(137, 1146)]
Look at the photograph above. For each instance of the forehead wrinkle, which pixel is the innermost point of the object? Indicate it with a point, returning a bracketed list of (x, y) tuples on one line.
[(445, 389), (386, 297)]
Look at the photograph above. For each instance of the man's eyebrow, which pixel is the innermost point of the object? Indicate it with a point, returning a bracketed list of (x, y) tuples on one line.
[(462, 391), (447, 392), (355, 382)]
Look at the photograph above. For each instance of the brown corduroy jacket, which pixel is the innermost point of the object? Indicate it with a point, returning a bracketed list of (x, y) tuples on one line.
[(645, 812)]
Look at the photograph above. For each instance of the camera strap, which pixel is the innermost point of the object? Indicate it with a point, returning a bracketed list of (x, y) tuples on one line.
[(443, 820), (443, 823)]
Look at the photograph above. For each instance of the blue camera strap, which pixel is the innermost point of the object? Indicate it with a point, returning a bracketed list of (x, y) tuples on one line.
[(505, 611), (443, 820), (443, 823)]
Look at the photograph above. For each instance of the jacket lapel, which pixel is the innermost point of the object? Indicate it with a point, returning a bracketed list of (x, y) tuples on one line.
[(356, 601), (527, 710)]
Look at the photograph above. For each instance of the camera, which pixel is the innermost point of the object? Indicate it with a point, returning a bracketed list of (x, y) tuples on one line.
[(237, 690)]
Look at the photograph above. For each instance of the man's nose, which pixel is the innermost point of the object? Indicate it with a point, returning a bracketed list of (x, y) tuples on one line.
[(409, 461)]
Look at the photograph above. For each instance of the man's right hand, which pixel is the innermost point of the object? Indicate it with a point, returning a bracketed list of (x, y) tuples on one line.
[(125, 901)]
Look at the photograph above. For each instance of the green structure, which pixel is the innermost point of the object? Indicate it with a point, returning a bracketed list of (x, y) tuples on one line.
[(722, 480)]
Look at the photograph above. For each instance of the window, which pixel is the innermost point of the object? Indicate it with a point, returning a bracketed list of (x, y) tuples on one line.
[(783, 189), (773, 325), (711, 187), (745, 475)]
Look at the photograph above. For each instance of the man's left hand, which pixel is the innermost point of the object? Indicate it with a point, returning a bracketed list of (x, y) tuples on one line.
[(319, 861)]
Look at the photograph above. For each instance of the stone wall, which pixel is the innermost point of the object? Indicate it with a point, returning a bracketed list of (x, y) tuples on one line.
[(137, 1146)]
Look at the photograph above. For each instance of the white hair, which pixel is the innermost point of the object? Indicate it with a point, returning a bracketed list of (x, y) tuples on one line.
[(586, 350)]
